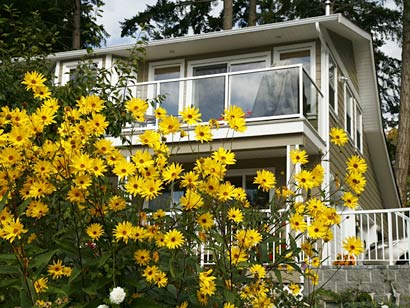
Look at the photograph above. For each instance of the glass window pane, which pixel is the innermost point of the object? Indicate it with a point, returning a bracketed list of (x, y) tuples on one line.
[(332, 86), (169, 89), (209, 93), (296, 57), (244, 88), (256, 196)]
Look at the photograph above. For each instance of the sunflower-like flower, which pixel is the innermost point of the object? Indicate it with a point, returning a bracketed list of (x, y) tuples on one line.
[(174, 239), (353, 245), (265, 179), (338, 136)]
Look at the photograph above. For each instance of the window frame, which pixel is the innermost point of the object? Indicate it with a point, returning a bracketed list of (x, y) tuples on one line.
[(358, 127), (333, 109), (152, 66), (68, 66), (347, 90), (311, 46)]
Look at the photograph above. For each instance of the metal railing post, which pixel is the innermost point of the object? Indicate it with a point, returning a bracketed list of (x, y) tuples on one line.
[(390, 237)]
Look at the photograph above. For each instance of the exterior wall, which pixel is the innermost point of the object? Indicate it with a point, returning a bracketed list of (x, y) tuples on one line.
[(371, 197), (384, 283), (345, 49)]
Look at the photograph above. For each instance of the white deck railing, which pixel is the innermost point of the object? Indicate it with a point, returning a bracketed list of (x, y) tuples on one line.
[(385, 233), (269, 93)]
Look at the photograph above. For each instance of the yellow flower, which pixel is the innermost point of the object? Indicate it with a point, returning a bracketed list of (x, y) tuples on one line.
[(183, 305), (90, 103), (40, 285), (137, 107), (150, 138), (233, 112), (150, 272), (248, 238), (350, 200), (95, 231), (202, 298), (33, 79), (98, 124), (226, 191), (338, 136), (174, 239), (124, 231), (229, 305), (206, 221), (160, 113), (191, 200), (207, 283), (318, 173), (134, 184), (142, 257), (315, 207), (158, 214), (142, 159), (37, 209), (191, 115), (265, 179), (294, 288), (307, 248), (161, 279), (297, 223), (42, 92), (356, 181), (353, 245), (203, 133), (116, 203), (298, 156), (237, 124), (12, 229), (258, 271), (237, 255), (224, 156), (190, 180), (304, 180), (56, 269), (151, 188), (169, 125), (172, 172), (235, 215), (103, 146), (124, 168), (316, 229), (312, 276), (356, 164)]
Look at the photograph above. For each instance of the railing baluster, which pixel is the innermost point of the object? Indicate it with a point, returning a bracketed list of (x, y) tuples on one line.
[(390, 237)]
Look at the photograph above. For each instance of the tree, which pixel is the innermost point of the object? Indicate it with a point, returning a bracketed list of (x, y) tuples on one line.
[(66, 19), (403, 151)]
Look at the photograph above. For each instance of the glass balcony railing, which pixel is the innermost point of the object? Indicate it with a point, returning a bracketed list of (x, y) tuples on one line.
[(270, 93)]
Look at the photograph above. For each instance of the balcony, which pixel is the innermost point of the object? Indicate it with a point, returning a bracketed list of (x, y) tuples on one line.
[(286, 92)]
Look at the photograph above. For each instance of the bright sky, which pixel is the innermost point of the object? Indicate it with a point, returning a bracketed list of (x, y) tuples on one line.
[(117, 10)]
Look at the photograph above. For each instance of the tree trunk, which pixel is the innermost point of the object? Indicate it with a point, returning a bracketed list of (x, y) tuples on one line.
[(252, 13), (228, 14), (403, 141), (76, 42)]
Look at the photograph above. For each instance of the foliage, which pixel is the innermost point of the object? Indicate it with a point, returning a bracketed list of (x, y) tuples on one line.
[(79, 225), (353, 298), (52, 17)]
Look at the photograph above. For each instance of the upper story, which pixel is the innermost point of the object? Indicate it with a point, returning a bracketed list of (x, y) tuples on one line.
[(295, 77)]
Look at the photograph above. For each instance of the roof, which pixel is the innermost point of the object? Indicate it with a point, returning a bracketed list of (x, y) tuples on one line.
[(282, 33)]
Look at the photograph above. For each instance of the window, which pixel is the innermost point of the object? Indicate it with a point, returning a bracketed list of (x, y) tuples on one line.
[(332, 85), (212, 94), (245, 179), (169, 198), (297, 54), (359, 129), (171, 91), (349, 102), (71, 73)]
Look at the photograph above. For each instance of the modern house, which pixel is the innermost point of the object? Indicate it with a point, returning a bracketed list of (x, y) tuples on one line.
[(295, 80)]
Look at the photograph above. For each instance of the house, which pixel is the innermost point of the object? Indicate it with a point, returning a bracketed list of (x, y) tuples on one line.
[(295, 80)]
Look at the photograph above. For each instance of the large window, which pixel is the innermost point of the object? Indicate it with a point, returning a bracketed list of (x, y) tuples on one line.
[(353, 119), (213, 93), (297, 54), (171, 92)]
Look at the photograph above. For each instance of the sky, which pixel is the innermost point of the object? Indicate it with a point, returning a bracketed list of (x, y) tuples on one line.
[(117, 10)]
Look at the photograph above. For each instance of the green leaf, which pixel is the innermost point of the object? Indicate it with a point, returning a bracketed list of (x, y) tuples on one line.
[(42, 260), (7, 269)]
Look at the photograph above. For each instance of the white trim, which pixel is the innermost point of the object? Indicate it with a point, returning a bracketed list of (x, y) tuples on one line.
[(67, 66), (311, 46), (358, 143), (56, 80), (236, 59), (347, 89)]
